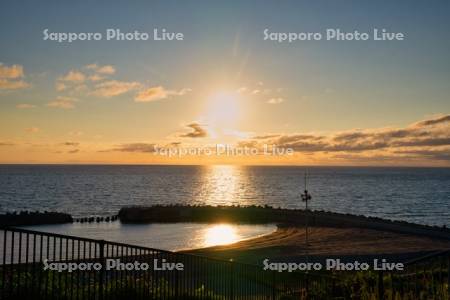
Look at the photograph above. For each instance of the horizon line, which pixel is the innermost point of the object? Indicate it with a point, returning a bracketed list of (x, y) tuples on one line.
[(224, 164)]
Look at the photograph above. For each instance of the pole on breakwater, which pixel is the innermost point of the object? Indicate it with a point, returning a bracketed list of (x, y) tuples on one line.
[(305, 198)]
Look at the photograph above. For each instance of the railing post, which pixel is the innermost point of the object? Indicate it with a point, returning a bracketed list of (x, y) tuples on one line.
[(380, 286), (232, 281), (448, 274), (176, 279), (307, 285), (391, 277), (416, 281), (102, 270), (274, 286)]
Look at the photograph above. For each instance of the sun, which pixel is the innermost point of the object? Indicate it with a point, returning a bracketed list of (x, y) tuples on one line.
[(223, 108)]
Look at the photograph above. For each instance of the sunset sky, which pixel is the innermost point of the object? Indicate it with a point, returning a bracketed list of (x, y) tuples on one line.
[(332, 102)]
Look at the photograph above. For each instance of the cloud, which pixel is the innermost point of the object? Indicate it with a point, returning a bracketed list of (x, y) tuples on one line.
[(135, 148), (113, 88), (73, 76), (426, 138), (106, 69), (63, 102), (13, 84), (91, 66), (197, 131), (12, 72), (25, 106), (151, 94), (71, 144), (259, 90), (275, 100), (267, 136), (75, 79), (440, 154), (32, 129), (11, 77), (434, 121), (158, 93), (5, 144), (96, 77), (60, 86), (93, 80)]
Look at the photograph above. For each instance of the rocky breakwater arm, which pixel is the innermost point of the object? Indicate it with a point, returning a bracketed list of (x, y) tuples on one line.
[(34, 218), (267, 214), (197, 214)]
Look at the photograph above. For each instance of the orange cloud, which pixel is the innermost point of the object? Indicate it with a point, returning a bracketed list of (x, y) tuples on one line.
[(13, 84), (25, 106), (73, 76), (275, 100), (95, 77), (151, 94), (158, 93), (114, 88), (11, 77), (429, 139), (63, 102), (12, 72), (106, 69)]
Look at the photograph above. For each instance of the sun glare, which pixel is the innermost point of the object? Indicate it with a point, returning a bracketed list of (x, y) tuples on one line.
[(221, 234), (224, 108)]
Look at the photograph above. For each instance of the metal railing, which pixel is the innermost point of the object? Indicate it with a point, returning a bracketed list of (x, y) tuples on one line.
[(423, 278), (29, 260), (426, 277)]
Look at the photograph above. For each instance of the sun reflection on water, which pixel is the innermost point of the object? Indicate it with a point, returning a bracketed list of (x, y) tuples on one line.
[(220, 234), (223, 185)]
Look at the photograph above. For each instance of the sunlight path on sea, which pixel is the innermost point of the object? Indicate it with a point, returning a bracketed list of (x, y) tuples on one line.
[(222, 184)]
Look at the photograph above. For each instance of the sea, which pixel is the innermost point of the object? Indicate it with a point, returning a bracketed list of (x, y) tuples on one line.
[(418, 195)]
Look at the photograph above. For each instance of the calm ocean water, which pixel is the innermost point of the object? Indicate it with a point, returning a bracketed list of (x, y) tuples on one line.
[(420, 195)]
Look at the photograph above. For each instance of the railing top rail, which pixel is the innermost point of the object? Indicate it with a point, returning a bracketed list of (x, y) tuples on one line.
[(22, 230)]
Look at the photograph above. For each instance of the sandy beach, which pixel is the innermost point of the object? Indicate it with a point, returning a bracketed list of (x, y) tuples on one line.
[(289, 243)]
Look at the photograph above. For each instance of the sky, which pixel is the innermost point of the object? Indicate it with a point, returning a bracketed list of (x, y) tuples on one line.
[(223, 86)]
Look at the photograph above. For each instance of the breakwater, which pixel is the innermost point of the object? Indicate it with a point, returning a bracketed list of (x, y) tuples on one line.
[(24, 218), (97, 219), (268, 214), (34, 218)]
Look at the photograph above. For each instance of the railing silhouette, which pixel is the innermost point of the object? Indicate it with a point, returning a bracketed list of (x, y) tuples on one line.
[(426, 277), (24, 255)]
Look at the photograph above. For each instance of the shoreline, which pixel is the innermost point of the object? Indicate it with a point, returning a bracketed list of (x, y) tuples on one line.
[(330, 234), (242, 240), (288, 244)]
